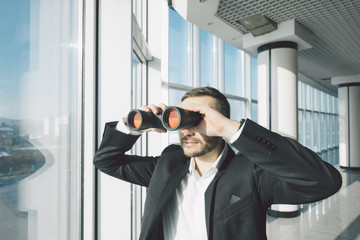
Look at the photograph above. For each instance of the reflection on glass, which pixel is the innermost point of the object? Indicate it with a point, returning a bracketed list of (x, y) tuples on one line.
[(307, 97), (233, 70), (318, 124), (328, 132), (136, 83), (137, 10), (316, 132), (253, 66), (39, 120), (175, 96), (207, 59), (301, 130), (179, 49), (308, 132), (315, 105), (237, 108), (254, 112), (300, 95)]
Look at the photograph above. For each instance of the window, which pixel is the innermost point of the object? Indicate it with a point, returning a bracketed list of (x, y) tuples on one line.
[(138, 7), (253, 66), (237, 109), (179, 50), (40, 124), (220, 65), (233, 70), (318, 122), (254, 95), (137, 196), (207, 58)]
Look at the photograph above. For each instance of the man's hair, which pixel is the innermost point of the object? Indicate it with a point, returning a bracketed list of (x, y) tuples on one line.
[(222, 104)]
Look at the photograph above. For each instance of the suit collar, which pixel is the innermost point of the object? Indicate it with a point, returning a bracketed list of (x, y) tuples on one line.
[(218, 162), (209, 194), (162, 189)]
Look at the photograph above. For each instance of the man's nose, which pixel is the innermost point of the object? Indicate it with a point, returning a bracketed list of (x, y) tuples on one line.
[(186, 132)]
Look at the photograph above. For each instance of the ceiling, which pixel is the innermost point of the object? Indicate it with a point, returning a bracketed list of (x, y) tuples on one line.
[(334, 24)]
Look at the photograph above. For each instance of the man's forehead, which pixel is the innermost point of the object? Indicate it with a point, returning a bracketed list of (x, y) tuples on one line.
[(202, 100)]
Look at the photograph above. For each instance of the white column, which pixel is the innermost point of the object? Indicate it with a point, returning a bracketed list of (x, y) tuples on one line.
[(349, 119), (114, 102), (277, 98), (349, 125)]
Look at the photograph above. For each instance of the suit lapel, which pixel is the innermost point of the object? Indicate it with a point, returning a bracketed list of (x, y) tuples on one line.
[(164, 186), (209, 194)]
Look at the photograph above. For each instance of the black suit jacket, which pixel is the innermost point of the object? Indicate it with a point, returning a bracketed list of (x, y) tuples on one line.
[(267, 169)]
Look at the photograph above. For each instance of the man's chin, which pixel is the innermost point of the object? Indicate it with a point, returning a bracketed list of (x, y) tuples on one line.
[(188, 152), (193, 152)]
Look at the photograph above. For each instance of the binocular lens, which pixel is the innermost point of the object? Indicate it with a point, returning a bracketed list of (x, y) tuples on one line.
[(174, 118), (137, 120)]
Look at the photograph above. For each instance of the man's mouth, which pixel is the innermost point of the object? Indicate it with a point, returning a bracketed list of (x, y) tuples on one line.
[(188, 142)]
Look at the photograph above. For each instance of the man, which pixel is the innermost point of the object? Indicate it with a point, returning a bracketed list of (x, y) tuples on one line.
[(202, 189)]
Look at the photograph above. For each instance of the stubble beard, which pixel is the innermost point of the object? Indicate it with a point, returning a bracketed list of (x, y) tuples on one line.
[(206, 145)]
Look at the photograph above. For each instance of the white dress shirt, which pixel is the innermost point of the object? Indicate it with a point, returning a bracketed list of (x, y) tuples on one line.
[(184, 215)]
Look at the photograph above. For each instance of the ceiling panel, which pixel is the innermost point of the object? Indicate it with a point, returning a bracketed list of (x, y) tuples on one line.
[(335, 25)]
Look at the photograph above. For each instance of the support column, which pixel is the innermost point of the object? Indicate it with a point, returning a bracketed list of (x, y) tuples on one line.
[(349, 120), (277, 98)]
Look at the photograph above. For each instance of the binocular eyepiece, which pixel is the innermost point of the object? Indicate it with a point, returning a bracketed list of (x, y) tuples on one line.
[(173, 118)]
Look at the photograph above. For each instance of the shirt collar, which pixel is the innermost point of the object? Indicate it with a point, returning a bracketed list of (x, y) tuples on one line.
[(216, 165)]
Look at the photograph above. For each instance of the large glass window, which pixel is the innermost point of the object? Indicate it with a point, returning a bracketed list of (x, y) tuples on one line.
[(138, 11), (219, 65), (179, 49), (207, 59), (237, 109), (40, 85), (253, 75), (317, 122), (254, 88), (137, 196), (233, 70)]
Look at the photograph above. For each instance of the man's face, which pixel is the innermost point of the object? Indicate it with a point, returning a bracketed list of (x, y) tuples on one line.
[(197, 144)]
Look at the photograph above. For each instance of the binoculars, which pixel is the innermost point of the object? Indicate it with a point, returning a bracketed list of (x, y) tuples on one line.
[(173, 118)]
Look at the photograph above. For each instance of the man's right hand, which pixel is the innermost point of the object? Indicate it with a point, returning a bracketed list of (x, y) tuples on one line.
[(155, 109)]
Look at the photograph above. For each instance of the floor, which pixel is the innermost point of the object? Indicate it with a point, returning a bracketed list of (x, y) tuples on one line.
[(337, 217)]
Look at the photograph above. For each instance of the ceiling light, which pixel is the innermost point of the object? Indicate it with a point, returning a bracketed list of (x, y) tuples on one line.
[(258, 24)]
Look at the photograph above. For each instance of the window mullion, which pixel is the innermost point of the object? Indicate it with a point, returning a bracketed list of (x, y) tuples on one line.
[(195, 56), (247, 83), (219, 65)]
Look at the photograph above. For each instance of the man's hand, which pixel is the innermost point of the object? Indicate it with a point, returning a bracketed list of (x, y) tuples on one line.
[(155, 110), (213, 123)]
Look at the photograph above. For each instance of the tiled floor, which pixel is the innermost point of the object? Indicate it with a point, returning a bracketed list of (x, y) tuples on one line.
[(337, 217)]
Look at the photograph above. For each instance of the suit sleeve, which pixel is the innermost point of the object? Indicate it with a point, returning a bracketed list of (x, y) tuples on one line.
[(286, 172), (111, 159)]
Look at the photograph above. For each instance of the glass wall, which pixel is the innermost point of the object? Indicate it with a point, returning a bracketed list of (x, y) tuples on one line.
[(225, 67), (40, 147), (179, 50), (218, 63), (233, 70), (318, 122), (254, 94), (207, 59)]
